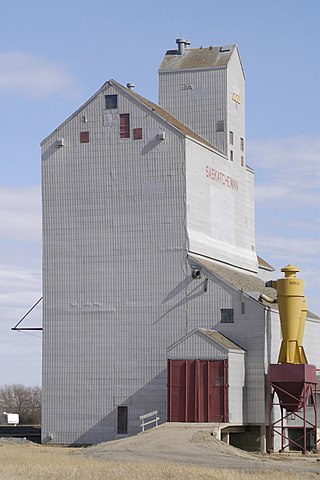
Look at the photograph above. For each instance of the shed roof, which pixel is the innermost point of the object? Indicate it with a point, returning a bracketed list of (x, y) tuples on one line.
[(207, 57), (221, 339), (265, 265), (237, 278), (242, 281)]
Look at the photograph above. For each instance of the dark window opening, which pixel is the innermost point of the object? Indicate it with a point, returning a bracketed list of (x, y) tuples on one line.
[(220, 126), (137, 133), (122, 425), (242, 144), (231, 155), (124, 125), (227, 315), (84, 137), (231, 138), (111, 101), (242, 160)]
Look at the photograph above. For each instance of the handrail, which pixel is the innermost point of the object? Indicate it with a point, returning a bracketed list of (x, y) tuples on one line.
[(142, 419)]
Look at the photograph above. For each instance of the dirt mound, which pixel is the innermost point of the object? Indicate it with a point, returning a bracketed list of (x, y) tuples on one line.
[(190, 444), (194, 444)]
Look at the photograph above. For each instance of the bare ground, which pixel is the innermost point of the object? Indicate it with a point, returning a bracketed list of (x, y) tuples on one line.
[(195, 445)]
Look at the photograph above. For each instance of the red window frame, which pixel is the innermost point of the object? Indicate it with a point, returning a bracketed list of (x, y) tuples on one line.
[(137, 133), (124, 125)]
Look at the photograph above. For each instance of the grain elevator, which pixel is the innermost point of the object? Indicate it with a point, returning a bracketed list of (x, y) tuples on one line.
[(154, 297)]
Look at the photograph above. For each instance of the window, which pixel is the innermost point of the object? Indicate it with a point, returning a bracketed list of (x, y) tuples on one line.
[(242, 144), (122, 423), (231, 138), (227, 315), (84, 137), (124, 125), (242, 161), (231, 155), (220, 126), (137, 133), (111, 101)]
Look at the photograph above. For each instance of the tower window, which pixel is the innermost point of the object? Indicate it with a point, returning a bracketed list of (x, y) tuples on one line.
[(231, 155), (111, 101), (124, 125), (122, 421), (231, 138), (227, 315), (242, 144), (220, 126), (242, 161)]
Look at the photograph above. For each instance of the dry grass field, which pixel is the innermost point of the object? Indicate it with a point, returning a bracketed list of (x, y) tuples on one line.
[(39, 463), (150, 456)]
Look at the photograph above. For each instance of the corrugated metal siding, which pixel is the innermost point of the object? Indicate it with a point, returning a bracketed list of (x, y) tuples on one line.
[(201, 107), (113, 209), (117, 285)]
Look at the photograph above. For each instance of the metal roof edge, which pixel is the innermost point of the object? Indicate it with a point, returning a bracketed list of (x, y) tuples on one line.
[(202, 331), (237, 348), (239, 56), (155, 109), (194, 69), (212, 148)]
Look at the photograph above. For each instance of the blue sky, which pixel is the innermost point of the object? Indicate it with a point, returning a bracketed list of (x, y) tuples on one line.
[(55, 55)]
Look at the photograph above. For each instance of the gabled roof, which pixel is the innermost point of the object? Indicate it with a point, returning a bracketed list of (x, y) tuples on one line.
[(221, 339), (213, 336), (207, 57), (154, 108)]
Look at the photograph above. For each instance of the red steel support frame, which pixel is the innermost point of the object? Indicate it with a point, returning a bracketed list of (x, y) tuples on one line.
[(278, 427)]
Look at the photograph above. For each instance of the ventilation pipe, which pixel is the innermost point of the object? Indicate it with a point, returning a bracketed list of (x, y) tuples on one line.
[(267, 299), (182, 44), (130, 86)]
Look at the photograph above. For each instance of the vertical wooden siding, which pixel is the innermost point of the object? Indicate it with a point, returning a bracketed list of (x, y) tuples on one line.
[(197, 390)]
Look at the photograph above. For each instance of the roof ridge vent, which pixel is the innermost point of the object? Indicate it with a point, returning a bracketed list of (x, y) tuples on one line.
[(182, 44)]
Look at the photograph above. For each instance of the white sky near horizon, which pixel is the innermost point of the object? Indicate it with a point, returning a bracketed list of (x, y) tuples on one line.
[(56, 55)]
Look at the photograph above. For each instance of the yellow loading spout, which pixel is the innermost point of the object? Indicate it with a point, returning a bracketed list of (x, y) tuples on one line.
[(293, 311)]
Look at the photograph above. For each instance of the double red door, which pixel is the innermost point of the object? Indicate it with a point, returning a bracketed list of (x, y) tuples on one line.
[(197, 390)]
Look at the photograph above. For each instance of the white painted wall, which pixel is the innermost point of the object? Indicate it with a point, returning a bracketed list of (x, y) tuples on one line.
[(220, 214)]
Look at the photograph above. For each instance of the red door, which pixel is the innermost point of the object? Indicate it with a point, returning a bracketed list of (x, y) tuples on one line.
[(197, 391)]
